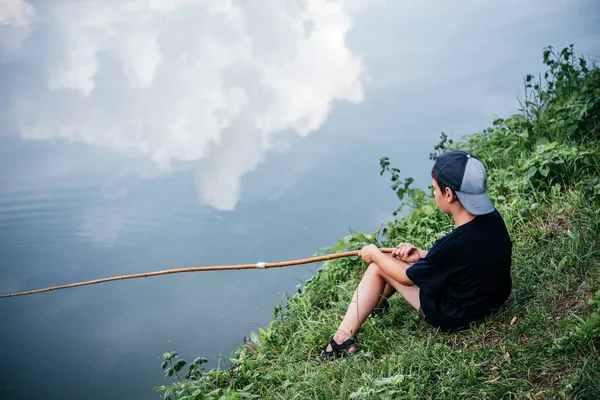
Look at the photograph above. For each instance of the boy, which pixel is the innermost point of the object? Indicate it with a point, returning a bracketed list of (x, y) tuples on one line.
[(461, 279)]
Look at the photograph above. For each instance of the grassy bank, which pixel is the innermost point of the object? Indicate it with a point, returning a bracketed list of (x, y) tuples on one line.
[(544, 178)]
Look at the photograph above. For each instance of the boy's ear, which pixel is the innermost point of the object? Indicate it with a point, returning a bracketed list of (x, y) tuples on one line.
[(448, 194)]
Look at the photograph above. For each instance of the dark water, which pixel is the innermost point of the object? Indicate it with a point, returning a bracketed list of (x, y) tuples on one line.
[(71, 212)]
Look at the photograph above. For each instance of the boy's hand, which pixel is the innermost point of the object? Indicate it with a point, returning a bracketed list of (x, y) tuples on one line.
[(407, 253), (368, 252)]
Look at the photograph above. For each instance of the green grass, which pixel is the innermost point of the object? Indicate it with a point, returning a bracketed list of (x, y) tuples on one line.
[(544, 177)]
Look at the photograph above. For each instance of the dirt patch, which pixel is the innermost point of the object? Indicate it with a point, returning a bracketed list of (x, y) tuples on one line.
[(470, 342), (569, 303), (557, 225), (549, 379), (460, 341), (492, 338)]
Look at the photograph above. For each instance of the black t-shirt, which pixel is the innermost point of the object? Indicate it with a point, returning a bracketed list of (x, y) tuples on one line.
[(466, 274)]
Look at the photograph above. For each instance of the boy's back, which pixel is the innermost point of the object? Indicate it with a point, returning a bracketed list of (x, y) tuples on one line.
[(466, 274)]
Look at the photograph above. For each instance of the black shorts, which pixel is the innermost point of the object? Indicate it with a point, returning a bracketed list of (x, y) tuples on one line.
[(443, 328)]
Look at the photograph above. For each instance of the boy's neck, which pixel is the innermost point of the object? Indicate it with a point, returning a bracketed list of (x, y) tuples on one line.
[(462, 216)]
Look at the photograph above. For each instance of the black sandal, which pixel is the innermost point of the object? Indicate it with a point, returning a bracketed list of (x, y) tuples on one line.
[(338, 350)]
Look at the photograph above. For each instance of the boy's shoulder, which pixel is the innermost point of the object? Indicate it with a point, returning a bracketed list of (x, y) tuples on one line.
[(472, 232), (446, 242)]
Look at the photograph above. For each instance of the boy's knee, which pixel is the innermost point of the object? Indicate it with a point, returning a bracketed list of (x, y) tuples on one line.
[(374, 268)]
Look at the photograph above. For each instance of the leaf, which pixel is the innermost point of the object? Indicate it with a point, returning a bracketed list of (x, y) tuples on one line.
[(262, 333), (178, 365), (245, 395), (428, 210), (199, 360), (163, 365), (493, 380), (542, 140), (361, 237)]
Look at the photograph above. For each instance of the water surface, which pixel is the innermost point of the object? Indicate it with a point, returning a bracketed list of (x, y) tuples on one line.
[(71, 211)]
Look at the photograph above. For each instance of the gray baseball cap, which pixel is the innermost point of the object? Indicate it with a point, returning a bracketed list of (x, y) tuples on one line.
[(465, 174)]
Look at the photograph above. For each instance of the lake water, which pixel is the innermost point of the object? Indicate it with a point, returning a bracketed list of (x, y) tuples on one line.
[(71, 211), (107, 340)]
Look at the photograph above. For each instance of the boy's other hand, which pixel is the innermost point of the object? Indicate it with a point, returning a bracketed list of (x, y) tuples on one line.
[(407, 253), (368, 252)]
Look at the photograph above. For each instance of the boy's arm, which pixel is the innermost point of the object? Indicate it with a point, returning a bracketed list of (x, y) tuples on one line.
[(393, 267), (409, 253)]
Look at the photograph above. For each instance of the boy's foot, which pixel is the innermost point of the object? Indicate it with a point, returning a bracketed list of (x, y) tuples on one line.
[(334, 350)]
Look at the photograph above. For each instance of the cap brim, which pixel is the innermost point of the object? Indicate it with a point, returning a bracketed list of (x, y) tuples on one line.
[(476, 204)]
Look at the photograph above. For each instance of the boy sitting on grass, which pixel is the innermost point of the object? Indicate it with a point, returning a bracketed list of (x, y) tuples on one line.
[(461, 279)]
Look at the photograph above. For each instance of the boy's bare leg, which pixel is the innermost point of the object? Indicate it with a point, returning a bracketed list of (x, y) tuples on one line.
[(371, 288), (388, 291)]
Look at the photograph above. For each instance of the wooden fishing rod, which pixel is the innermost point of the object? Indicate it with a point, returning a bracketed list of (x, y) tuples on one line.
[(259, 265)]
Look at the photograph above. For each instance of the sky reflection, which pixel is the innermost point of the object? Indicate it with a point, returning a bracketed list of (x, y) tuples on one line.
[(145, 135)]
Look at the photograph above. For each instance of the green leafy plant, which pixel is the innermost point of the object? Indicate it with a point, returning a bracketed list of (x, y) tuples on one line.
[(443, 145), (403, 189), (584, 332), (181, 388)]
